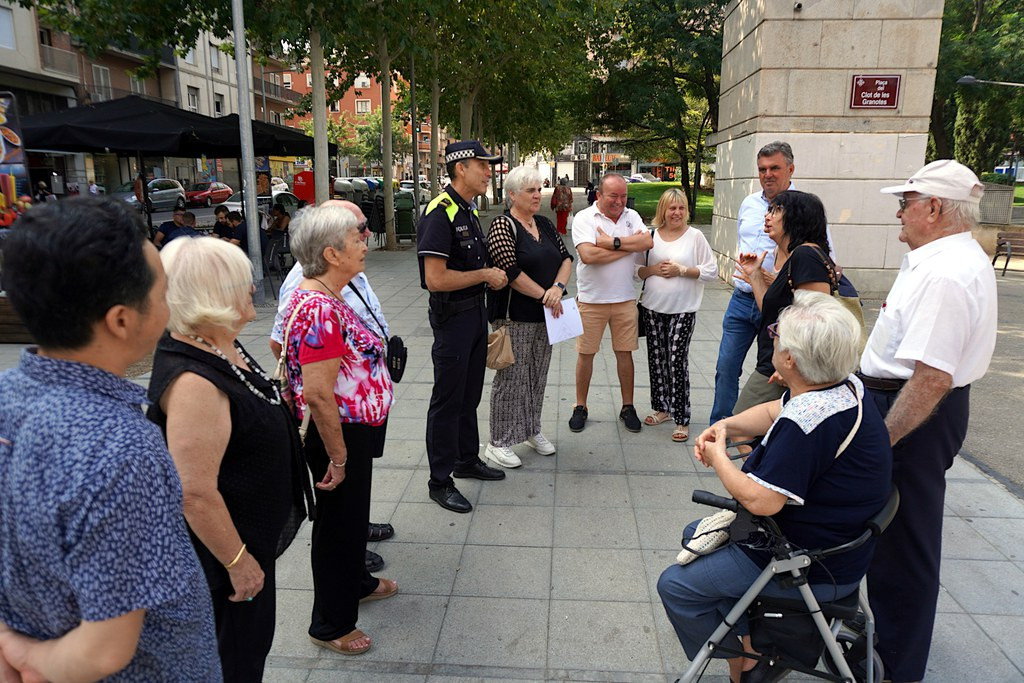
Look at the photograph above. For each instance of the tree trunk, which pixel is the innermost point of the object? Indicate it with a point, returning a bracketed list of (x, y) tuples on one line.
[(479, 135), (386, 143), (466, 104), (435, 114), (940, 138), (321, 178)]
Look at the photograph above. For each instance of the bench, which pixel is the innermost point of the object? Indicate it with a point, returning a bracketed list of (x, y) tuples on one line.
[(1008, 244)]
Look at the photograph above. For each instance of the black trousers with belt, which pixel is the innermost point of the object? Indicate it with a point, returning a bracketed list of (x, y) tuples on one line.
[(904, 574), (459, 355), (338, 550)]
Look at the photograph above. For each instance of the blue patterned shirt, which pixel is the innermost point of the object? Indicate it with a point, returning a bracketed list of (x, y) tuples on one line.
[(91, 521)]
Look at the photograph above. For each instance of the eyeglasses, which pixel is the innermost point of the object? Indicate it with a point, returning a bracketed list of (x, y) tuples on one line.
[(904, 201), (773, 209), (773, 330)]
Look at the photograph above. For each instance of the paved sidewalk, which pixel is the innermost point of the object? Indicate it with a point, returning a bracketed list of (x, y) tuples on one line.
[(552, 576)]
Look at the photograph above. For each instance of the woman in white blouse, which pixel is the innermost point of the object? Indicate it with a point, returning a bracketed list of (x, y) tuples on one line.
[(674, 272)]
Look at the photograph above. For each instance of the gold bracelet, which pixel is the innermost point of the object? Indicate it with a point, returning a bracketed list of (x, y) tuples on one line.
[(339, 464), (233, 562)]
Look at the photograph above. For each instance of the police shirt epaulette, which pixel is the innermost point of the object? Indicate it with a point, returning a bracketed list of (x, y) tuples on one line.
[(445, 202)]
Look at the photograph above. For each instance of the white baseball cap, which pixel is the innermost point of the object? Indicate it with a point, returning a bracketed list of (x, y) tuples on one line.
[(946, 179)]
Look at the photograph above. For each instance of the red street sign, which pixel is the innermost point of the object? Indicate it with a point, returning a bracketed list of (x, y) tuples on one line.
[(875, 92)]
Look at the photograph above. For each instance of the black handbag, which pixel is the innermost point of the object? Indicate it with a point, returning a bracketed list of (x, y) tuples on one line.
[(397, 353)]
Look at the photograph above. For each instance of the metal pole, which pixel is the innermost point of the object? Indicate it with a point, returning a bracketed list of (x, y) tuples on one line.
[(415, 140), (263, 91), (248, 170)]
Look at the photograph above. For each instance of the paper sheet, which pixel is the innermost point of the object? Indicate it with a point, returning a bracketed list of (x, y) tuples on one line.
[(565, 326)]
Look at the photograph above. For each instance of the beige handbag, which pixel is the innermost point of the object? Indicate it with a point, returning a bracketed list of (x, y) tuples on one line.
[(499, 349)]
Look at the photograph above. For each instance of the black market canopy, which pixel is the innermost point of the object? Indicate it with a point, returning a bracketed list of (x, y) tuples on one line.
[(135, 125)]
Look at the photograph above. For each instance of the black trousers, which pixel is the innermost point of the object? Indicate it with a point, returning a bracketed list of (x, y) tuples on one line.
[(338, 552), (459, 354), (904, 574), (245, 630)]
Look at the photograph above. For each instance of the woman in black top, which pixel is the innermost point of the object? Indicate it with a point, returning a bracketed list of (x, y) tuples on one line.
[(537, 264), (234, 442), (796, 223)]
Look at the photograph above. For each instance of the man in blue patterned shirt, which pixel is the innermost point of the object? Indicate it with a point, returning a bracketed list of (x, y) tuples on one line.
[(98, 579)]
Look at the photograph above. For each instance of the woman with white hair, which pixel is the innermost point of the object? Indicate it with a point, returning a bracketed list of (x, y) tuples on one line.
[(337, 373), (822, 471), (537, 264), (234, 443)]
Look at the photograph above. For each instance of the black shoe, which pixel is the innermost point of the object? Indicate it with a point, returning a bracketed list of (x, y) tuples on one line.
[(764, 672), (450, 499), (379, 532), (374, 562), (629, 417), (478, 470), (579, 419)]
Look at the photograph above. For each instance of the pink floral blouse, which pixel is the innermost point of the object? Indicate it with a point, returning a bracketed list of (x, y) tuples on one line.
[(326, 328)]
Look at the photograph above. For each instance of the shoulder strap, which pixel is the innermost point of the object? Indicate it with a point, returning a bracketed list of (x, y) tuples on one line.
[(833, 280), (856, 424), (368, 310), (509, 221)]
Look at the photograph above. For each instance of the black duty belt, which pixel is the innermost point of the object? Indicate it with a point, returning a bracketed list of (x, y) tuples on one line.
[(881, 383), (448, 307)]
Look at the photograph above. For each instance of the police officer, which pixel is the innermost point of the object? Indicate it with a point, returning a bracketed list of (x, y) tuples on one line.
[(453, 267)]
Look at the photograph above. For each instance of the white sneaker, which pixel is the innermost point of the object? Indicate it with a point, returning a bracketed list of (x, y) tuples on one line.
[(505, 457), (540, 444)]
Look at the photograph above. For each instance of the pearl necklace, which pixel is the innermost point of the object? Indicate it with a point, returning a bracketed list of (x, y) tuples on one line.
[(274, 400)]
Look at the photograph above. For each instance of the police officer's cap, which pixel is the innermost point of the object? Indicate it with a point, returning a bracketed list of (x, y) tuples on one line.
[(468, 149)]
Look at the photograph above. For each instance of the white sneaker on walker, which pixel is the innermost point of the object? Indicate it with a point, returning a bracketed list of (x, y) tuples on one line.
[(539, 443), (505, 457)]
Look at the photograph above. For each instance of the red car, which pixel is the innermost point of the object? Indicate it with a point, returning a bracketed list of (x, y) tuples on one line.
[(208, 194)]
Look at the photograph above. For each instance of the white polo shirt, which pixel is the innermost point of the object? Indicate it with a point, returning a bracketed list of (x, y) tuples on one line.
[(605, 283), (941, 311)]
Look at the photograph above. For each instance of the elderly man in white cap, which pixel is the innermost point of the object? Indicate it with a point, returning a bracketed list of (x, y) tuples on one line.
[(934, 336)]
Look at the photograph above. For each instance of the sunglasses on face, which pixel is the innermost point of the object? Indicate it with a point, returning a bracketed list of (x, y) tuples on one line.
[(363, 228)]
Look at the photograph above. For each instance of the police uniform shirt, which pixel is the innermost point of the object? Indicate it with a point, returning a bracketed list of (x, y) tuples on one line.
[(450, 229), (941, 311)]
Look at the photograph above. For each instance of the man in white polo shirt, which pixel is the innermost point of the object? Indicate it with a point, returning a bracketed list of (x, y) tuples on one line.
[(934, 336), (606, 235)]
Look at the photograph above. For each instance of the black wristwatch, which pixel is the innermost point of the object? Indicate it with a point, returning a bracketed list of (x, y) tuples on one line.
[(616, 243), (560, 286)]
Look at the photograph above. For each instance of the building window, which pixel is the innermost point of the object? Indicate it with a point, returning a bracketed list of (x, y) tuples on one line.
[(214, 58), (275, 116), (138, 86), (288, 81), (45, 34), (309, 80), (193, 99), (362, 106), (101, 83), (7, 28), (362, 81), (218, 105), (190, 56), (335, 107)]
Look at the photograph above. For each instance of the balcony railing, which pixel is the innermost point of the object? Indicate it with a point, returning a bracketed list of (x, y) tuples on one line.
[(261, 86), (60, 61)]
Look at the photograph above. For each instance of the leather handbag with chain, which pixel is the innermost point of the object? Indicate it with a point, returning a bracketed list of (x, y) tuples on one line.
[(397, 353)]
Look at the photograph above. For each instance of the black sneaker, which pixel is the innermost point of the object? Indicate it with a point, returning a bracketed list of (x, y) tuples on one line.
[(578, 419), (629, 417)]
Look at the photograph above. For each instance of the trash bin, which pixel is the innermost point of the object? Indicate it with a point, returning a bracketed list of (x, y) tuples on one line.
[(359, 189), (404, 202), (342, 189)]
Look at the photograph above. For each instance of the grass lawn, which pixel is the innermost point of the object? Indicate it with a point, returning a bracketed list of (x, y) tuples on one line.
[(1018, 194), (648, 194)]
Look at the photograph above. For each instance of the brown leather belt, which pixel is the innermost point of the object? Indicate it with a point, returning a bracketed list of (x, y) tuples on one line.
[(881, 383)]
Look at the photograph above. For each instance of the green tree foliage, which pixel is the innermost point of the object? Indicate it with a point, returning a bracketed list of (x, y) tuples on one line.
[(977, 124), (661, 61), (370, 132)]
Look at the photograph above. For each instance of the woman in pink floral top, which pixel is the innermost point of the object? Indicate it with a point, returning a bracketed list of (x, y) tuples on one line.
[(338, 376)]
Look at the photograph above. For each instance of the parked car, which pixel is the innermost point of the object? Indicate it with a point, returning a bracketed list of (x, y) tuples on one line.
[(279, 184), (408, 185), (208, 194), (290, 202), (163, 194), (643, 178)]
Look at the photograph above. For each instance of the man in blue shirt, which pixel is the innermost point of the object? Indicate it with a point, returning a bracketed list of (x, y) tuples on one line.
[(98, 578), (742, 317)]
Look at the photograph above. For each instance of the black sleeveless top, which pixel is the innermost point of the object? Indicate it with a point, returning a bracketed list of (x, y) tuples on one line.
[(263, 478)]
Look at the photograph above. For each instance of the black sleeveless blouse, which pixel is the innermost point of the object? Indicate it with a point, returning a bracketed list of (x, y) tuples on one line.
[(263, 477)]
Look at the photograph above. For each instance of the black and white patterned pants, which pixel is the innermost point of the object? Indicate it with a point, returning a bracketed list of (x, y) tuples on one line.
[(668, 350), (517, 395)]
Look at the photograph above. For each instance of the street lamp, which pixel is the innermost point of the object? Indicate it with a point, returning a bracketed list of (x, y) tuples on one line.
[(971, 80)]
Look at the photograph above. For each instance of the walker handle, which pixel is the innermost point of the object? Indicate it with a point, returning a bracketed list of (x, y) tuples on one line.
[(715, 501)]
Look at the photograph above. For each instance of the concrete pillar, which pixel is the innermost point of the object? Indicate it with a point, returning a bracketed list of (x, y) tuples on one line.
[(788, 73)]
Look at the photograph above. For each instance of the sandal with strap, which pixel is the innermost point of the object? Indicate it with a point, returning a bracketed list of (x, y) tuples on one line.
[(681, 433), (343, 645), (385, 589), (657, 418), (379, 532)]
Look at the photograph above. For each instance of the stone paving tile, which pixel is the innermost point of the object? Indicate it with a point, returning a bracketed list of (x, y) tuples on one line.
[(963, 651), (985, 587), (583, 489), (619, 635), (494, 632), (981, 498), (1005, 632), (1006, 535), (522, 487), (420, 568), (963, 539), (598, 574), (594, 527), (504, 572), (511, 525)]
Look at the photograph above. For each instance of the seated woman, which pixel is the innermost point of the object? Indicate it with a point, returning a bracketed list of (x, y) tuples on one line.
[(820, 494)]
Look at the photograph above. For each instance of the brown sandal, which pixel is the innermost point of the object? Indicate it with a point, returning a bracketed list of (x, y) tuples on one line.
[(390, 588), (343, 646), (681, 434), (657, 418)]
